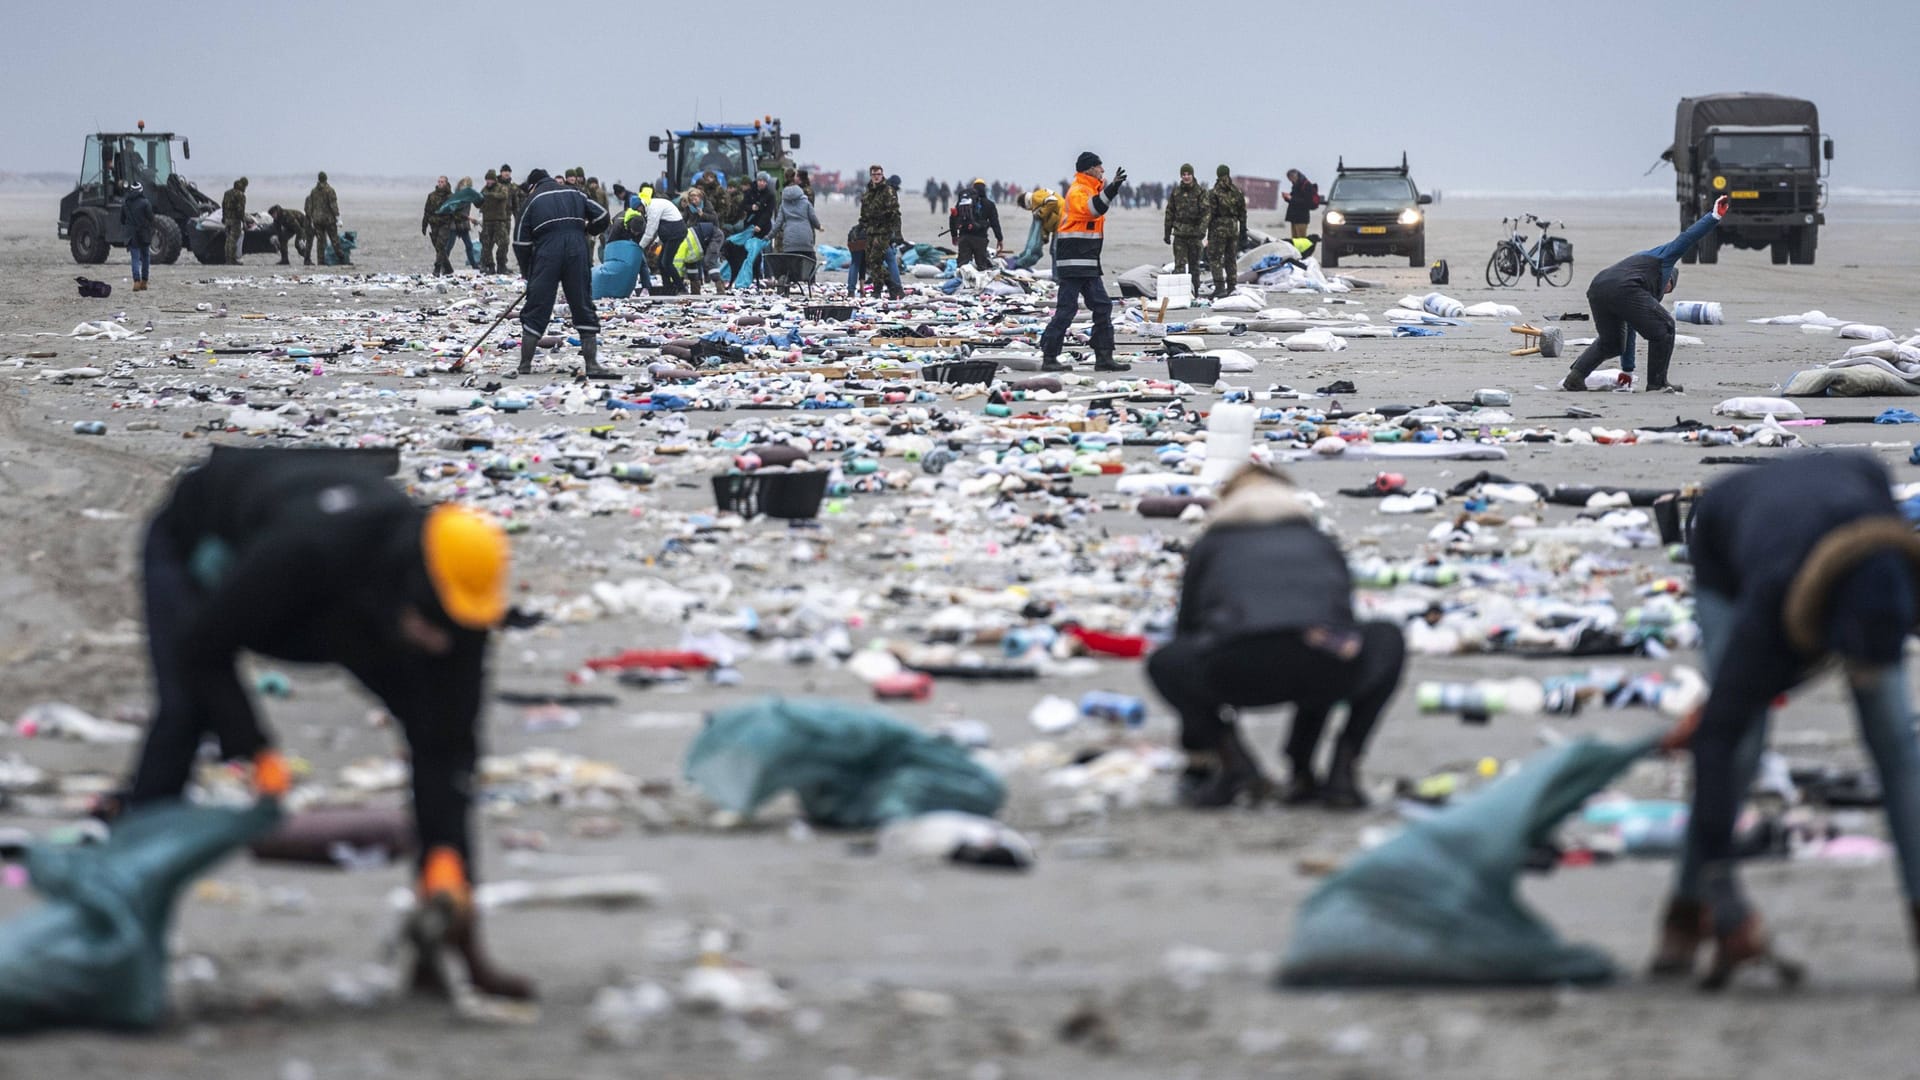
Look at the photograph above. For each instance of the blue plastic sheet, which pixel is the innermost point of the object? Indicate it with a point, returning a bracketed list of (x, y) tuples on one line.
[(1897, 416), (834, 258), (618, 272), (754, 246), (851, 767), (1436, 905)]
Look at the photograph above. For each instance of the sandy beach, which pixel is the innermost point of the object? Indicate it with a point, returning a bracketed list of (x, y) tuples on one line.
[(1163, 925)]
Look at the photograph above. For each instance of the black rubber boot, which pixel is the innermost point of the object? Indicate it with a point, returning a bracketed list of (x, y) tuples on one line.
[(1342, 788), (590, 354), (528, 343), (1052, 363), (1106, 362)]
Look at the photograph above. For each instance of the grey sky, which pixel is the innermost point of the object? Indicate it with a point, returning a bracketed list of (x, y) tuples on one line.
[(1483, 95)]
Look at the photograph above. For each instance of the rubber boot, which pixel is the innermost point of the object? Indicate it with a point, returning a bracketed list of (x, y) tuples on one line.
[(1749, 943), (1342, 789), (464, 936), (1302, 787), (528, 343), (1238, 775), (1913, 916), (590, 354), (1104, 362), (1683, 929), (1052, 363)]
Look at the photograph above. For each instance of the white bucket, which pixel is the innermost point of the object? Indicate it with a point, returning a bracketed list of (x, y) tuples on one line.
[(1229, 441)]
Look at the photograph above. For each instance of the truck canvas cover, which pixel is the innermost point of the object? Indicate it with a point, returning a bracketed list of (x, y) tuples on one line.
[(1695, 115)]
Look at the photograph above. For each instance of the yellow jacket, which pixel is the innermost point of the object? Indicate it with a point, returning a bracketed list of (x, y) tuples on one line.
[(1046, 210)]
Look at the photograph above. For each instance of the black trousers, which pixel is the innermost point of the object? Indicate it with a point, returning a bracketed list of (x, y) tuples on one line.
[(1616, 306), (974, 249), (1201, 678), (672, 235), (562, 263), (177, 728)]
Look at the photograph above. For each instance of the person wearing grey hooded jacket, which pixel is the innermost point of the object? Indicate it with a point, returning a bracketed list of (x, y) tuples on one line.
[(795, 223)]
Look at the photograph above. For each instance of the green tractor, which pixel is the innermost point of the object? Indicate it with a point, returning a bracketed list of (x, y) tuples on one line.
[(733, 151), (90, 213)]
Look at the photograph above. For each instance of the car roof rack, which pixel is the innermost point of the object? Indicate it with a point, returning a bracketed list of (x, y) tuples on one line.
[(1343, 167)]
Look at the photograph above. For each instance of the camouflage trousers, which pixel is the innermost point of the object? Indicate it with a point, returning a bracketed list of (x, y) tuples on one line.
[(876, 253), (442, 238), (235, 231), (326, 236), (1223, 256), (494, 243), (1186, 258)]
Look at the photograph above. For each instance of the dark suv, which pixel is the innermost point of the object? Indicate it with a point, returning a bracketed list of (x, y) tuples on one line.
[(1374, 212)]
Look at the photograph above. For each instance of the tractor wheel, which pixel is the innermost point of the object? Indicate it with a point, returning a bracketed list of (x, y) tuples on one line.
[(1804, 239), (165, 248), (87, 239), (208, 246), (1779, 250)]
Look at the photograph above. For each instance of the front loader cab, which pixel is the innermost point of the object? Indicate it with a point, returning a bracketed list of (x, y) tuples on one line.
[(110, 162)]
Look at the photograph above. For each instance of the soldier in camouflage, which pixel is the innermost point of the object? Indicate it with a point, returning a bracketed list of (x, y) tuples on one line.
[(438, 227), (880, 221), (233, 214), (496, 218), (598, 195), (291, 225), (323, 217), (1227, 221), (1185, 227), (518, 197)]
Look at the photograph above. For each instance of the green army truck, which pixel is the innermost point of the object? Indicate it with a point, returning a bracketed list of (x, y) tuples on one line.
[(1765, 153)]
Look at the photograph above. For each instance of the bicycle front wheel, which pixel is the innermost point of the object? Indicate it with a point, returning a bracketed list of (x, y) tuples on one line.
[(1560, 275), (1503, 269)]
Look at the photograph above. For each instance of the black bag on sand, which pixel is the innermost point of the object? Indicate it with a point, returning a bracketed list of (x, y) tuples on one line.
[(99, 290), (1437, 273)]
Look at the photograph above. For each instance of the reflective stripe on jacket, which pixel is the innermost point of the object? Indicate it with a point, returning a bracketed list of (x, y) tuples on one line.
[(1083, 229)]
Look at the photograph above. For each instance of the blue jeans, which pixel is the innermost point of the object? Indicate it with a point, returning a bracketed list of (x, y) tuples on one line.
[(1886, 726), (857, 269), (142, 259)]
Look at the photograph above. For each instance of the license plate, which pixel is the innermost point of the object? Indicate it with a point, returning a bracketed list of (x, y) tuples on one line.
[(1373, 230), (1745, 194)]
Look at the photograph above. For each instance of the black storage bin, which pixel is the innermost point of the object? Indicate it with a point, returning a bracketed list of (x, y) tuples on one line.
[(1194, 369), (960, 371), (789, 495)]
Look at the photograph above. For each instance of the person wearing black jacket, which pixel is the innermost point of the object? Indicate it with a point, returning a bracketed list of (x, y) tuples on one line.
[(757, 205), (1299, 203), (554, 253), (974, 216), (1266, 618), (1794, 563), (307, 557), (136, 215)]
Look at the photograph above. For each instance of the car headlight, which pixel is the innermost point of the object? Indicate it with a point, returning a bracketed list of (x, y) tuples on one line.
[(1409, 216), (1335, 217)]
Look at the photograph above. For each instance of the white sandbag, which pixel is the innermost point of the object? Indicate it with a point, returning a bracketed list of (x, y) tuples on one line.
[(1442, 305), (1411, 303), (926, 270), (1275, 314), (1865, 332), (1487, 309), (1756, 408), (1232, 360), (1810, 318), (1239, 302), (1688, 339), (1897, 352), (1314, 341)]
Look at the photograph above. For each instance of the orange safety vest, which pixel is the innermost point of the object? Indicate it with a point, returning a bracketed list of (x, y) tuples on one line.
[(1083, 229)]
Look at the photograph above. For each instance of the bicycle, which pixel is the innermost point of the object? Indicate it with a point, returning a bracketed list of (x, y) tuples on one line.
[(1550, 258)]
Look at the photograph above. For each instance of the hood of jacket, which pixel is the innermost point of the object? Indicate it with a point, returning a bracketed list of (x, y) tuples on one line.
[(793, 199), (1261, 502)]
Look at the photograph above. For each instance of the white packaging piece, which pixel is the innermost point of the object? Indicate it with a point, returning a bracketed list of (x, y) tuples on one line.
[(1229, 441), (1756, 408)]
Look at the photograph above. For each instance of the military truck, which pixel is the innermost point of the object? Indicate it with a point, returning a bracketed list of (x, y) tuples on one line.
[(109, 161), (1760, 151), (730, 150)]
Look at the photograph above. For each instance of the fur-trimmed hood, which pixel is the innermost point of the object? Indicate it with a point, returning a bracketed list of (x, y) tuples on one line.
[(1259, 502), (1804, 612)]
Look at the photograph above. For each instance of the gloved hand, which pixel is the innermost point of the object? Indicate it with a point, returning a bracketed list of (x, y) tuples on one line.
[(446, 918), (1721, 205), (1166, 238)]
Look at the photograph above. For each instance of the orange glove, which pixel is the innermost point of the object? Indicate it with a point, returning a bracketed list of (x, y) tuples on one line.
[(272, 776), (445, 875)]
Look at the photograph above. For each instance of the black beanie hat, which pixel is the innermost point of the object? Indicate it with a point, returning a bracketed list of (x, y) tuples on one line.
[(1087, 160), (536, 176)]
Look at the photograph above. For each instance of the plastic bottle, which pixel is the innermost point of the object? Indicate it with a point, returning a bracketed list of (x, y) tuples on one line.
[(89, 427), (1478, 700), (1113, 708), (1229, 441), (1492, 398), (634, 472)]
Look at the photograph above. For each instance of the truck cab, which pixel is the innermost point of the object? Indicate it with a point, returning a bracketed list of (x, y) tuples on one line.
[(1766, 154)]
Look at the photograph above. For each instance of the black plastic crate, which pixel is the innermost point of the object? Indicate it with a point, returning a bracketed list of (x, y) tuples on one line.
[(790, 495), (1194, 369), (830, 312), (961, 371)]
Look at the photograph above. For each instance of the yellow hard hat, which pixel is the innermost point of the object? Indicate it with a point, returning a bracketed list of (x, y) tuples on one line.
[(466, 555)]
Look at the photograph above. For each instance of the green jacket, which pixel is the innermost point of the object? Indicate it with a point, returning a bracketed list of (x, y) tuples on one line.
[(233, 206), (880, 215), (496, 201), (322, 207), (1188, 211), (1228, 209)]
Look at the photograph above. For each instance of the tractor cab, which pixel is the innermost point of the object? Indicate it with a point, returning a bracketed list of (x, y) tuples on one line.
[(730, 151), (110, 162)]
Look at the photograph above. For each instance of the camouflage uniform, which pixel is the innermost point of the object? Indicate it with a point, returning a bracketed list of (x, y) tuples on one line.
[(1188, 210), (1227, 211), (496, 216), (233, 213), (880, 220), (323, 217), (438, 228), (598, 195), (291, 224)]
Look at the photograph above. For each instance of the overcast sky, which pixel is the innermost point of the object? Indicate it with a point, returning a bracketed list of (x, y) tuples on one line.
[(1482, 94)]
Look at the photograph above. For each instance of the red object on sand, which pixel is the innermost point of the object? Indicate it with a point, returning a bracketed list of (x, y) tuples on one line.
[(1124, 646), (905, 686), (652, 658)]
